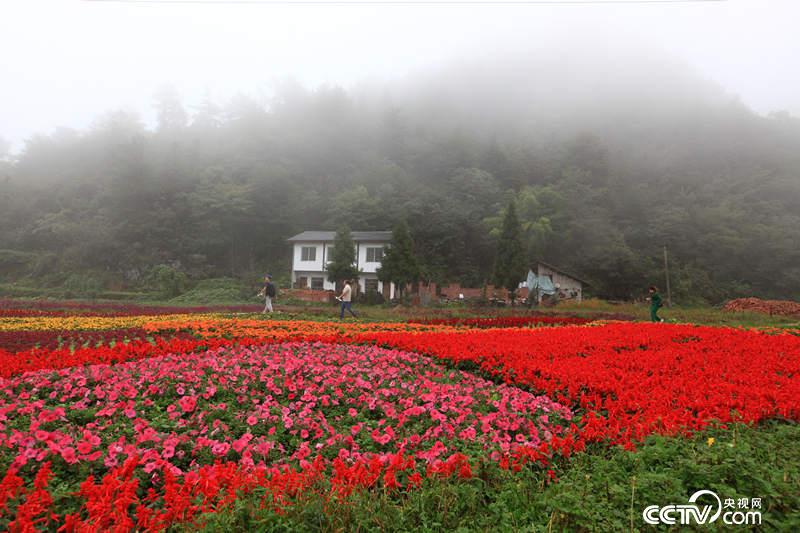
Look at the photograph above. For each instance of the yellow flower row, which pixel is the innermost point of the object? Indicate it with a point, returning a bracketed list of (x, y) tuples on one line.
[(91, 322), (279, 329)]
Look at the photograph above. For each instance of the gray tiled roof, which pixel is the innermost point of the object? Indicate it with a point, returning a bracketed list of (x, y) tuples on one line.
[(551, 267), (358, 236)]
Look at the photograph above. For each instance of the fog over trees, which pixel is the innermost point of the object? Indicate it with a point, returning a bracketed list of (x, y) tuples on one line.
[(608, 158)]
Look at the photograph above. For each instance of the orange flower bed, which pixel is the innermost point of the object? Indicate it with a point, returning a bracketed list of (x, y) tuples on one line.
[(280, 330)]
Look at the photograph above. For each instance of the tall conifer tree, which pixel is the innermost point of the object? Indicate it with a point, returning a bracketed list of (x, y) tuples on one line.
[(399, 265), (343, 256), (509, 266)]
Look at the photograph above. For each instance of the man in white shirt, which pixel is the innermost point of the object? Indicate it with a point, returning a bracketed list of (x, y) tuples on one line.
[(346, 298)]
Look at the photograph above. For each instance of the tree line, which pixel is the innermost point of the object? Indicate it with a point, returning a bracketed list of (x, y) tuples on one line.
[(215, 190)]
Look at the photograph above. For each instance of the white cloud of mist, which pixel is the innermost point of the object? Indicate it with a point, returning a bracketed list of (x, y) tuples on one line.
[(64, 62)]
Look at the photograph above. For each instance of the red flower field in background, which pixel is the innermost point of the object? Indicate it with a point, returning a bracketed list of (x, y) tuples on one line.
[(505, 321), (635, 379)]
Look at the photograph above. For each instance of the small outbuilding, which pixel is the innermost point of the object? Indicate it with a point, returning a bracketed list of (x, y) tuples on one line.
[(547, 280)]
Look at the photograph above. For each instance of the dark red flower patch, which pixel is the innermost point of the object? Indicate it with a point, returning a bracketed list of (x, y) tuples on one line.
[(18, 341), (34, 308), (505, 321)]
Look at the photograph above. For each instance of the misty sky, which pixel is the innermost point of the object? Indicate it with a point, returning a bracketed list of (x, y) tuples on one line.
[(64, 62)]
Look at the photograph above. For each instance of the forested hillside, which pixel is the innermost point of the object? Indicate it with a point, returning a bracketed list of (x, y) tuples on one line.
[(606, 169)]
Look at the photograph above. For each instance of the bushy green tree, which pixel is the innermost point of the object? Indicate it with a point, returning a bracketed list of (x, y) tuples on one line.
[(399, 265), (343, 257), (535, 220), (168, 281), (357, 207), (510, 263)]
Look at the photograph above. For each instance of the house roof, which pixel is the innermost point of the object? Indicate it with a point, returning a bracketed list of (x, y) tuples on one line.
[(358, 236), (556, 269)]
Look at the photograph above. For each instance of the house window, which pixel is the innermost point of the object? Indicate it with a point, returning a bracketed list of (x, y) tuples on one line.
[(308, 253), (374, 254), (317, 283), (370, 285)]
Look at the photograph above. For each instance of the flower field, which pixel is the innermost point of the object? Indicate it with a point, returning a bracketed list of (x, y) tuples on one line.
[(121, 421), (505, 322), (632, 379)]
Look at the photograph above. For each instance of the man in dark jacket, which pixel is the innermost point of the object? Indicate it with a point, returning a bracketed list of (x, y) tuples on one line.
[(269, 293), (655, 304)]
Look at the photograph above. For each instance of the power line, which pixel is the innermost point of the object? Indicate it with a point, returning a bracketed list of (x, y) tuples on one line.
[(408, 2)]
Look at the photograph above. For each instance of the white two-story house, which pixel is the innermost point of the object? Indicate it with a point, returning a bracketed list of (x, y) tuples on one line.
[(312, 252)]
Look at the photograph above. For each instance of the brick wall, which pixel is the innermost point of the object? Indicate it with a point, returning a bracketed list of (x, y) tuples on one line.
[(453, 290), (307, 295)]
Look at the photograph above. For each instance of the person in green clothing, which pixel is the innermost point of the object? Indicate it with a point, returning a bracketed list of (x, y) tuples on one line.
[(655, 304)]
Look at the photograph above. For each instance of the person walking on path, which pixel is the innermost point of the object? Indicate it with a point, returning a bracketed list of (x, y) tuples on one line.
[(268, 293), (346, 298), (655, 304)]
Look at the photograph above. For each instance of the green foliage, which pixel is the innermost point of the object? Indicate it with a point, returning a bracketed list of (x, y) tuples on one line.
[(21, 291), (82, 285), (166, 281), (450, 239), (343, 257), (400, 264), (216, 291), (14, 261), (356, 208), (122, 295), (373, 297), (599, 190), (537, 207), (510, 264)]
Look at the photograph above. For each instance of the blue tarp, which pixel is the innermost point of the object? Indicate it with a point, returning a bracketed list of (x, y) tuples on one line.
[(541, 283)]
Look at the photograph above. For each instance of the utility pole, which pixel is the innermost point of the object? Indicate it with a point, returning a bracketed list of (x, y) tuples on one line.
[(666, 273)]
